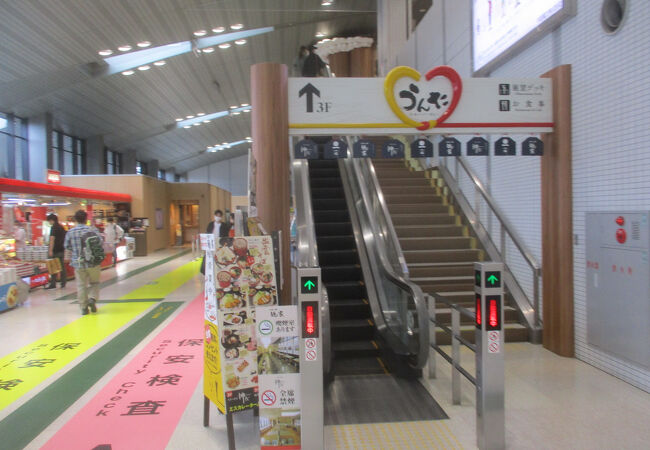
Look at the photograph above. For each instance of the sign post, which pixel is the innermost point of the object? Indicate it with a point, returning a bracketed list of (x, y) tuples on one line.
[(490, 387), (311, 358)]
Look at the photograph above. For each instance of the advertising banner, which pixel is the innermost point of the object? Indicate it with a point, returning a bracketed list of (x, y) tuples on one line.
[(8, 296), (278, 356)]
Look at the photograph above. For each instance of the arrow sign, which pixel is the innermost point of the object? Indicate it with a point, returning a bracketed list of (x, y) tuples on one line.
[(310, 90), (493, 279), (309, 285)]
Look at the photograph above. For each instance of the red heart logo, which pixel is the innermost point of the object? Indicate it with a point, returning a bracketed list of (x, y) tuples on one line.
[(456, 86)]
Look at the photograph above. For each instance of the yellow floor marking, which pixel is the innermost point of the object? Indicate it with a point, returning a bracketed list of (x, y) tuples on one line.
[(168, 283), (421, 434), (26, 368)]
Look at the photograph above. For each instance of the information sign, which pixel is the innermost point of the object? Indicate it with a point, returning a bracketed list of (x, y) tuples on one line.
[(505, 147), (422, 148), (363, 148), (392, 149), (449, 147), (336, 149), (306, 149), (532, 147), (478, 146)]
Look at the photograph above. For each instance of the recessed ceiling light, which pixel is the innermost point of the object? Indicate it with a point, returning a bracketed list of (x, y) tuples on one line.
[(160, 63), (224, 143), (208, 50), (245, 104), (145, 67), (107, 52), (247, 110), (236, 113), (128, 72), (219, 29), (326, 3), (187, 126), (206, 121), (179, 119), (200, 33), (320, 34), (197, 124), (189, 117), (225, 45), (200, 114), (237, 26), (240, 41), (249, 138), (233, 107), (144, 44), (124, 48)]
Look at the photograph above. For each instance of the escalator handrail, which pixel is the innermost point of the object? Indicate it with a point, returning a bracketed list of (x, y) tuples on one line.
[(404, 284)]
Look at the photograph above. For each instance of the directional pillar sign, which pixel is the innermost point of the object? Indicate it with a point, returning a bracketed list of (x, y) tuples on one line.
[(306, 149), (422, 148), (309, 91), (449, 147), (505, 147), (490, 416), (393, 149), (363, 148), (532, 147), (336, 149), (478, 146)]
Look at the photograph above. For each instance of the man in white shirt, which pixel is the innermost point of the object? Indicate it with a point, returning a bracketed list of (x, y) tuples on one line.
[(19, 235), (113, 234)]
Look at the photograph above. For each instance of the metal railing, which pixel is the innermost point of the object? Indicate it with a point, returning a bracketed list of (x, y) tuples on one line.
[(529, 309), (400, 310), (306, 251), (456, 341)]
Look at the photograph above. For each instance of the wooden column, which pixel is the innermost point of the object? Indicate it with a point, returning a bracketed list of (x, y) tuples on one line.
[(557, 221), (362, 62), (340, 64), (270, 117)]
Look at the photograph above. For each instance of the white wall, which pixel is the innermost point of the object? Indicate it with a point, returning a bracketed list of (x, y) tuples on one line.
[(611, 108), (230, 174)]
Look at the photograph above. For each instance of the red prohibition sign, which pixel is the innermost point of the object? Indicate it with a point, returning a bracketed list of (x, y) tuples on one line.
[(494, 347), (311, 355), (268, 398), (310, 343)]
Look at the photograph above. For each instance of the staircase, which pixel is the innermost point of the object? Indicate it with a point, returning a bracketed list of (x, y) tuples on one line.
[(437, 244), (355, 351)]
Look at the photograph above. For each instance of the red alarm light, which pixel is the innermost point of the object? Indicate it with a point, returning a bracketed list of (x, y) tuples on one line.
[(494, 313), (621, 236), (309, 322), (478, 310), (620, 221)]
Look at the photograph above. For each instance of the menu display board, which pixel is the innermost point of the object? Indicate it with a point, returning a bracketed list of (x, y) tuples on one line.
[(499, 26)]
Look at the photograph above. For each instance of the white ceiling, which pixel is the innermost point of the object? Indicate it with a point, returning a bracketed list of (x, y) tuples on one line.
[(44, 42)]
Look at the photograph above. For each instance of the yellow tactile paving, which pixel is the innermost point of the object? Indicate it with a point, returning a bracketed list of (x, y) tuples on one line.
[(429, 434)]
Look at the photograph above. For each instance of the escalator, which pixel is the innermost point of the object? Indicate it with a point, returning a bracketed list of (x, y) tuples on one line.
[(355, 350)]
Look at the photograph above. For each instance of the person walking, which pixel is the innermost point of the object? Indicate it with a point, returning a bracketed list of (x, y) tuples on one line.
[(56, 250), (218, 227), (113, 234), (85, 243)]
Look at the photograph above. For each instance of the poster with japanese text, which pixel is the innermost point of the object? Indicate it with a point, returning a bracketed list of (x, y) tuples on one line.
[(278, 359)]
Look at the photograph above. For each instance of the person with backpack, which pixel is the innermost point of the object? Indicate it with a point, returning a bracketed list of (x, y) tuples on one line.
[(85, 243)]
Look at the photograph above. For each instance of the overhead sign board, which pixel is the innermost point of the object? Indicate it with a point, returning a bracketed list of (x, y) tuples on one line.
[(438, 102)]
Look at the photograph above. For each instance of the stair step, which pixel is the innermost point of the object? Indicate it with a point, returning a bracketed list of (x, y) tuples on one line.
[(350, 349), (401, 199), (328, 192), (358, 366), (419, 208), (327, 204), (323, 163), (324, 173), (427, 256), (331, 216), (332, 257), (341, 309), (351, 272), (352, 330), (423, 219), (334, 182), (335, 242), (436, 243), (346, 290), (404, 181), (441, 288), (333, 229), (423, 271), (392, 172), (425, 231)]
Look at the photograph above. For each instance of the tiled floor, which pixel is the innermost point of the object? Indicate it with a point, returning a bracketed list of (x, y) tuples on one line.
[(551, 402)]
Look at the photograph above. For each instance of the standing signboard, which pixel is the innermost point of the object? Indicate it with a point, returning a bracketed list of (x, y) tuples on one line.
[(278, 356)]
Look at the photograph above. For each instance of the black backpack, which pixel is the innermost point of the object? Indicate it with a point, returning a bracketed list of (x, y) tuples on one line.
[(92, 251)]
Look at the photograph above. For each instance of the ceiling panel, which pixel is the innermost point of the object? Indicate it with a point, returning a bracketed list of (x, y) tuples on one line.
[(49, 40)]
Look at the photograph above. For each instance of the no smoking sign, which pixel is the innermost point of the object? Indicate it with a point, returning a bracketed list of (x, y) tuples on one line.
[(268, 398), (494, 341)]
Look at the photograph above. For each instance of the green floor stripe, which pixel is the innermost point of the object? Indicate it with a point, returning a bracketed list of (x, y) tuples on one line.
[(24, 424), (129, 300), (103, 284)]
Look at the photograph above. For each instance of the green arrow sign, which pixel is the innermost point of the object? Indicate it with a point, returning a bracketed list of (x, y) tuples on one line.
[(309, 285), (492, 279)]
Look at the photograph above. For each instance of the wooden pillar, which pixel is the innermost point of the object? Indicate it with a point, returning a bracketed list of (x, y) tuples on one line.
[(340, 64), (271, 151), (362, 62), (557, 221)]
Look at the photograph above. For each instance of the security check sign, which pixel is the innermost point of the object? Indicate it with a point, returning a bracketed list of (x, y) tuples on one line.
[(407, 102)]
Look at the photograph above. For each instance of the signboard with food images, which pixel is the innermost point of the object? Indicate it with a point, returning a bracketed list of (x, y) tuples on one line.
[(245, 279), (8, 296)]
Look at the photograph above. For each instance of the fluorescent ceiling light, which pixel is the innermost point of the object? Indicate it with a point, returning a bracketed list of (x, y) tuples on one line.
[(233, 107), (237, 26), (245, 104), (326, 3), (200, 114), (179, 119), (236, 113), (208, 50), (206, 121), (187, 126), (56, 204), (211, 116), (107, 52), (144, 44), (160, 63), (226, 45), (128, 72), (124, 48), (189, 117), (197, 124), (21, 199), (225, 145), (218, 29), (200, 33), (144, 68), (240, 41)]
